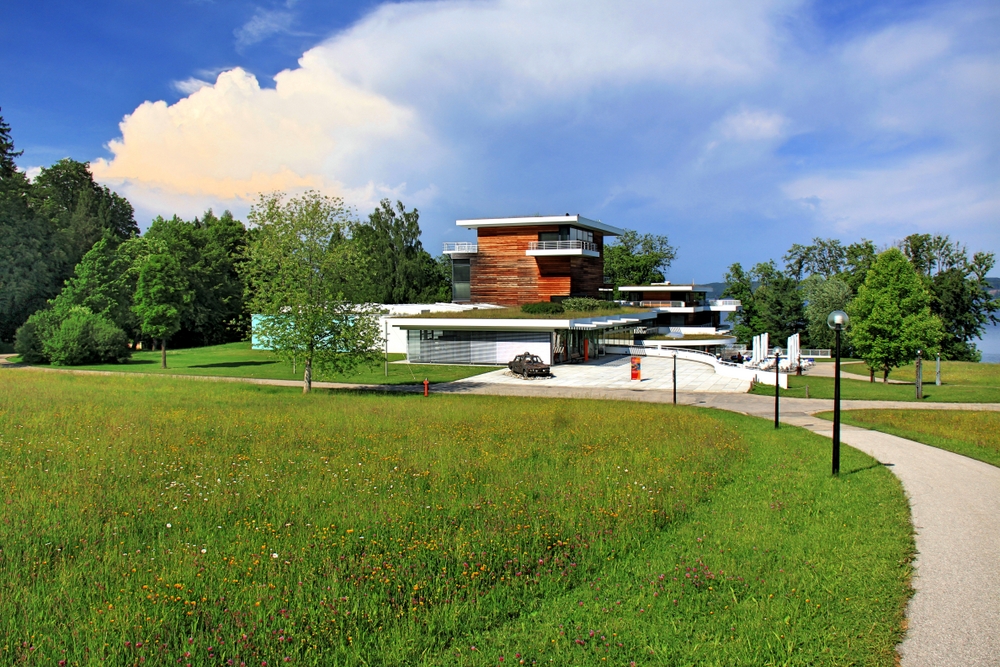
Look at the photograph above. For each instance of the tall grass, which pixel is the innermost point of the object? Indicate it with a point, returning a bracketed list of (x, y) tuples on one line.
[(972, 434), (170, 522)]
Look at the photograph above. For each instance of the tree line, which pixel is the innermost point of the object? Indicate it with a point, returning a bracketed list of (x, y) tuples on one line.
[(924, 293), (80, 284)]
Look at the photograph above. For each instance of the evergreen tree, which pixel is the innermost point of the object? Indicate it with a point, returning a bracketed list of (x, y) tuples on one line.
[(402, 271), (28, 276)]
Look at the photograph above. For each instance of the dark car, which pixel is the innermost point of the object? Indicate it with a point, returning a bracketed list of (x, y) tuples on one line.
[(529, 365)]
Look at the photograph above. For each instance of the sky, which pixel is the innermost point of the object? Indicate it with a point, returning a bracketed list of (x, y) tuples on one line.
[(734, 128)]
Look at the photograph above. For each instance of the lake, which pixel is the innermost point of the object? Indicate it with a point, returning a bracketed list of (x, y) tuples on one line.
[(989, 344)]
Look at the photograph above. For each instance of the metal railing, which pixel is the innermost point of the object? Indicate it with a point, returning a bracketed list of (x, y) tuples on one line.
[(665, 304), (562, 245), (725, 302), (461, 246)]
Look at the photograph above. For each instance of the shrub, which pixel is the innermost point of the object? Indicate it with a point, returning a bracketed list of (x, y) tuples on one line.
[(110, 342), (84, 337), (543, 308), (30, 339), (586, 304)]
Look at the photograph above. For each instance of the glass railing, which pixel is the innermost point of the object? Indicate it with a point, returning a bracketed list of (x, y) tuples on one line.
[(461, 246)]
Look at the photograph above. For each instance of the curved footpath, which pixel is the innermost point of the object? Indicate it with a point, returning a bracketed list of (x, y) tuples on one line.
[(954, 617)]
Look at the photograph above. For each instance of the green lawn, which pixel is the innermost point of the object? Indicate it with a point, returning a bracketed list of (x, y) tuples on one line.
[(953, 373), (161, 521), (238, 360), (821, 387), (972, 434)]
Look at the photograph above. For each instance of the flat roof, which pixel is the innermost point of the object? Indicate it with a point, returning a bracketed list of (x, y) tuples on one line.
[(486, 324), (665, 287), (533, 220)]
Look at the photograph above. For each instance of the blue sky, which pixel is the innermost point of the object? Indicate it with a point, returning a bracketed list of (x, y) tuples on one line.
[(734, 128)]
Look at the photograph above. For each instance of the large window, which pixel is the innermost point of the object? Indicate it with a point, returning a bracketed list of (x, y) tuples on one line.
[(567, 233), (461, 278)]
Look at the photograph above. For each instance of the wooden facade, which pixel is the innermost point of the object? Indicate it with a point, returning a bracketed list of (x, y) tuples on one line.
[(502, 272)]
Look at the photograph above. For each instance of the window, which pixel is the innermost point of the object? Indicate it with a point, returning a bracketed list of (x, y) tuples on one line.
[(461, 278)]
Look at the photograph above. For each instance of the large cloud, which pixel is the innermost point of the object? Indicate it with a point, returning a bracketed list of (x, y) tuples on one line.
[(650, 113), (358, 116)]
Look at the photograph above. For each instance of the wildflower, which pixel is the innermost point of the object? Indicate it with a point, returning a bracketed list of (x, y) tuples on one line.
[(274, 555), (169, 526)]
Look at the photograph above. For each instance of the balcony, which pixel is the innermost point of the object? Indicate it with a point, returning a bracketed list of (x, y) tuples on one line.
[(562, 249), (725, 304), (461, 248), (665, 304)]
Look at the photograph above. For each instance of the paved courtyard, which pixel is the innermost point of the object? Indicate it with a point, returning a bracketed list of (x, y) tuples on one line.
[(613, 372)]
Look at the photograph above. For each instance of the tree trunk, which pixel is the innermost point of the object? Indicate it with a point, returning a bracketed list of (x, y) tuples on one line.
[(885, 376), (307, 379), (871, 375), (163, 353)]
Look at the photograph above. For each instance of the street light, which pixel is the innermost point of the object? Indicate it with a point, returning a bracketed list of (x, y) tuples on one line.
[(837, 321), (777, 383)]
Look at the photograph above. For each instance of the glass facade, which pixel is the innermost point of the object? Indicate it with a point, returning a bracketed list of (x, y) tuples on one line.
[(567, 233)]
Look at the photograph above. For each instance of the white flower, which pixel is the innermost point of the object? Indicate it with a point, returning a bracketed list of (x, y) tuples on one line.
[(204, 550), (169, 526), (274, 555)]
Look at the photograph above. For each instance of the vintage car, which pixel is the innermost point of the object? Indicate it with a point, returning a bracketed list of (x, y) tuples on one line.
[(529, 365)]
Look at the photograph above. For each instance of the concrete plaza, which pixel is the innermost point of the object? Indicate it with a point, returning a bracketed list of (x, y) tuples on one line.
[(614, 372)]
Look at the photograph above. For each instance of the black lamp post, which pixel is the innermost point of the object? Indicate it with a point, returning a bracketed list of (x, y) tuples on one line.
[(837, 321), (777, 383)]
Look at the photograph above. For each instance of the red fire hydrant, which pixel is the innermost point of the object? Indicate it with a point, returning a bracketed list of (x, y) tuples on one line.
[(426, 385)]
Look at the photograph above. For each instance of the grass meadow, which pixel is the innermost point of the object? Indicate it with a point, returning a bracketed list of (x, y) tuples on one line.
[(239, 360), (972, 434), (822, 387), (158, 521)]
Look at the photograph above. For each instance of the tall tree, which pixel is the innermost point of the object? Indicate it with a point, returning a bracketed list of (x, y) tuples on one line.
[(208, 250), (778, 305), (106, 278), (859, 258), (401, 270), (299, 267), (79, 210), (739, 285), (962, 300), (822, 297), (771, 302), (160, 296), (28, 276), (824, 257), (891, 317), (637, 259)]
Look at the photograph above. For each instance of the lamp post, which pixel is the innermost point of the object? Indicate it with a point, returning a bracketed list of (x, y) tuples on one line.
[(837, 321), (920, 375), (675, 377), (937, 372), (777, 383)]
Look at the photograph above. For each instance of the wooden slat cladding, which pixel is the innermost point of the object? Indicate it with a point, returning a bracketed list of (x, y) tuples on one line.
[(503, 274)]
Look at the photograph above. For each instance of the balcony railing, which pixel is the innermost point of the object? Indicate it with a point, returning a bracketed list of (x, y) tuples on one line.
[(725, 302), (562, 245), (664, 304), (461, 247)]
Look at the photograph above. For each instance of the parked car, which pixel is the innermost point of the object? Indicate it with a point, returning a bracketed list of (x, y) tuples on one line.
[(529, 365)]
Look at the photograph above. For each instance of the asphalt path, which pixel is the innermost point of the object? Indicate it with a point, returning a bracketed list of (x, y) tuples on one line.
[(954, 615)]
